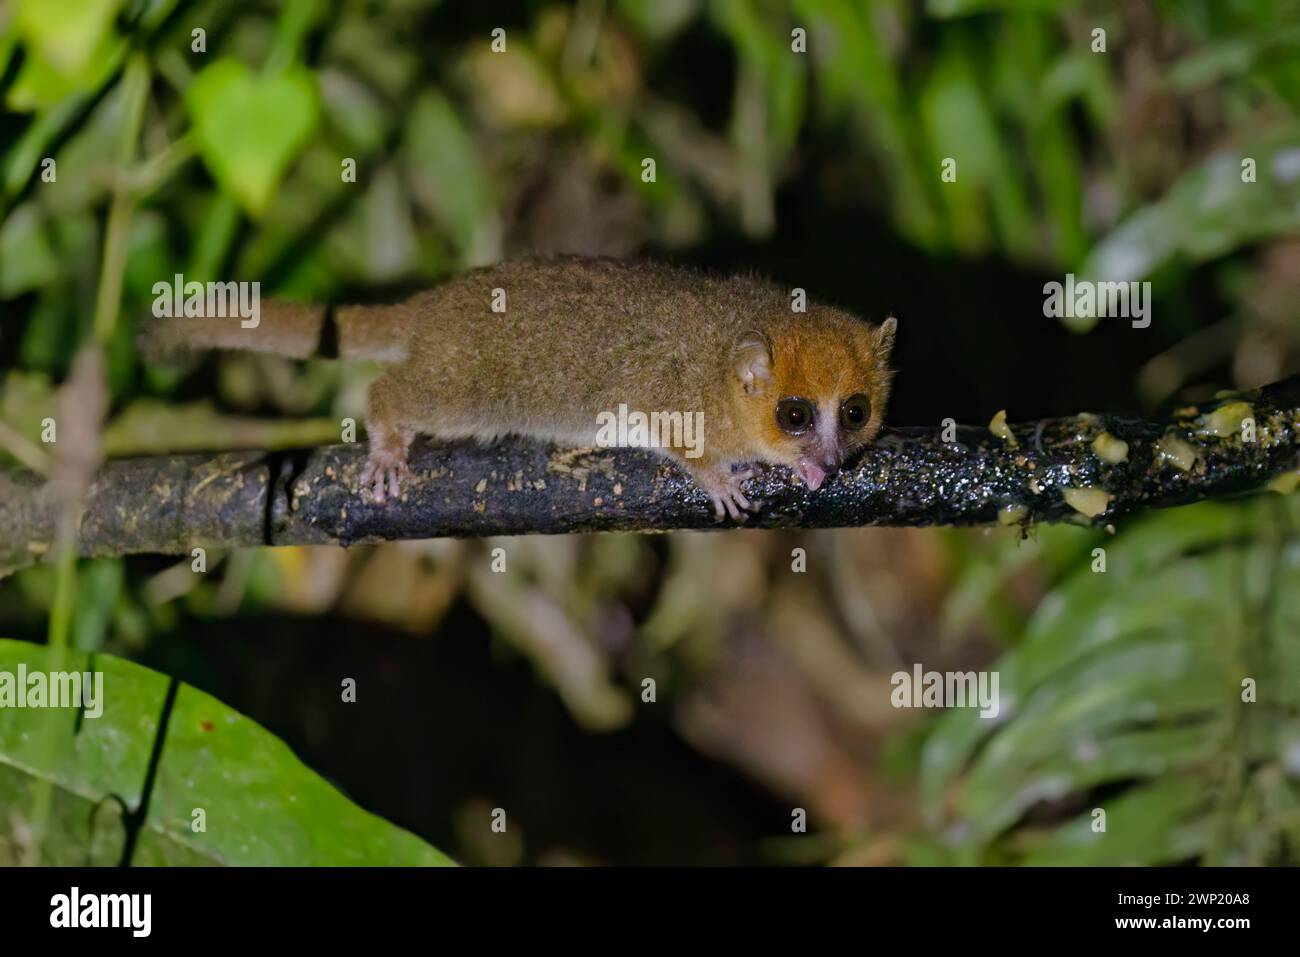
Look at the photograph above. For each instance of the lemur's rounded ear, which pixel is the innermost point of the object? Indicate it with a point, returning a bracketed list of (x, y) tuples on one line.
[(753, 361), (883, 339)]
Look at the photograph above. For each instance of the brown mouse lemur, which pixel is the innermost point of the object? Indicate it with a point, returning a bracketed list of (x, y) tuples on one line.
[(552, 348)]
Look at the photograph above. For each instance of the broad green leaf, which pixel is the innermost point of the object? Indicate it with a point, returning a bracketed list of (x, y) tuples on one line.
[(1230, 200), (249, 127), (1161, 823), (70, 47), (261, 805), (1131, 677), (65, 32)]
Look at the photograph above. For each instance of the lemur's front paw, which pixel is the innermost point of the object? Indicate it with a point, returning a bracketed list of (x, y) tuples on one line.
[(728, 498), (384, 474)]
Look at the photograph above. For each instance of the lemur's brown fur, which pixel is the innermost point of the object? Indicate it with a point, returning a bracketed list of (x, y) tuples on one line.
[(579, 337)]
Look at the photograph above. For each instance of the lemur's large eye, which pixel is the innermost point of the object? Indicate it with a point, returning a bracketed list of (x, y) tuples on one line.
[(794, 415), (855, 411)]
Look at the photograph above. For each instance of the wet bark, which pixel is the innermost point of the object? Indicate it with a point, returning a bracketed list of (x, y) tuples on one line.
[(1068, 469)]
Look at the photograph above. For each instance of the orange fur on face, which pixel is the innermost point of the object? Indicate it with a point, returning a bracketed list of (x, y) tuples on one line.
[(824, 359)]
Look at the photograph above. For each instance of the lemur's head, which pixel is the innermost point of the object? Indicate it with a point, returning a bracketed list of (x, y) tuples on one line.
[(813, 389)]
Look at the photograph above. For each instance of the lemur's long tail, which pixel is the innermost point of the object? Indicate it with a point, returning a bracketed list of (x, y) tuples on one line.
[(288, 329)]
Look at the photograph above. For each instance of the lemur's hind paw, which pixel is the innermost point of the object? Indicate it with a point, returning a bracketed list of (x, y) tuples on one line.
[(384, 474)]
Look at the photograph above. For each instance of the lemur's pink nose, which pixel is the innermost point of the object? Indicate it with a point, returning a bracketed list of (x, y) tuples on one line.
[(812, 474)]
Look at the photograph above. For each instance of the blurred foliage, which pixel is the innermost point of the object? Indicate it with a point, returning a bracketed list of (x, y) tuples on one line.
[(1170, 671), (1125, 164)]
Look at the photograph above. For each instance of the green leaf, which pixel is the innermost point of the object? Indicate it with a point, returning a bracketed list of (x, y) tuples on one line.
[(250, 127), (1239, 55), (1162, 822), (1132, 678), (65, 32), (859, 79), (1209, 212), (27, 257), (261, 805), (71, 46), (448, 178)]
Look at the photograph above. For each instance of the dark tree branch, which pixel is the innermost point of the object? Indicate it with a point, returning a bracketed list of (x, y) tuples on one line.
[(1049, 471)]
